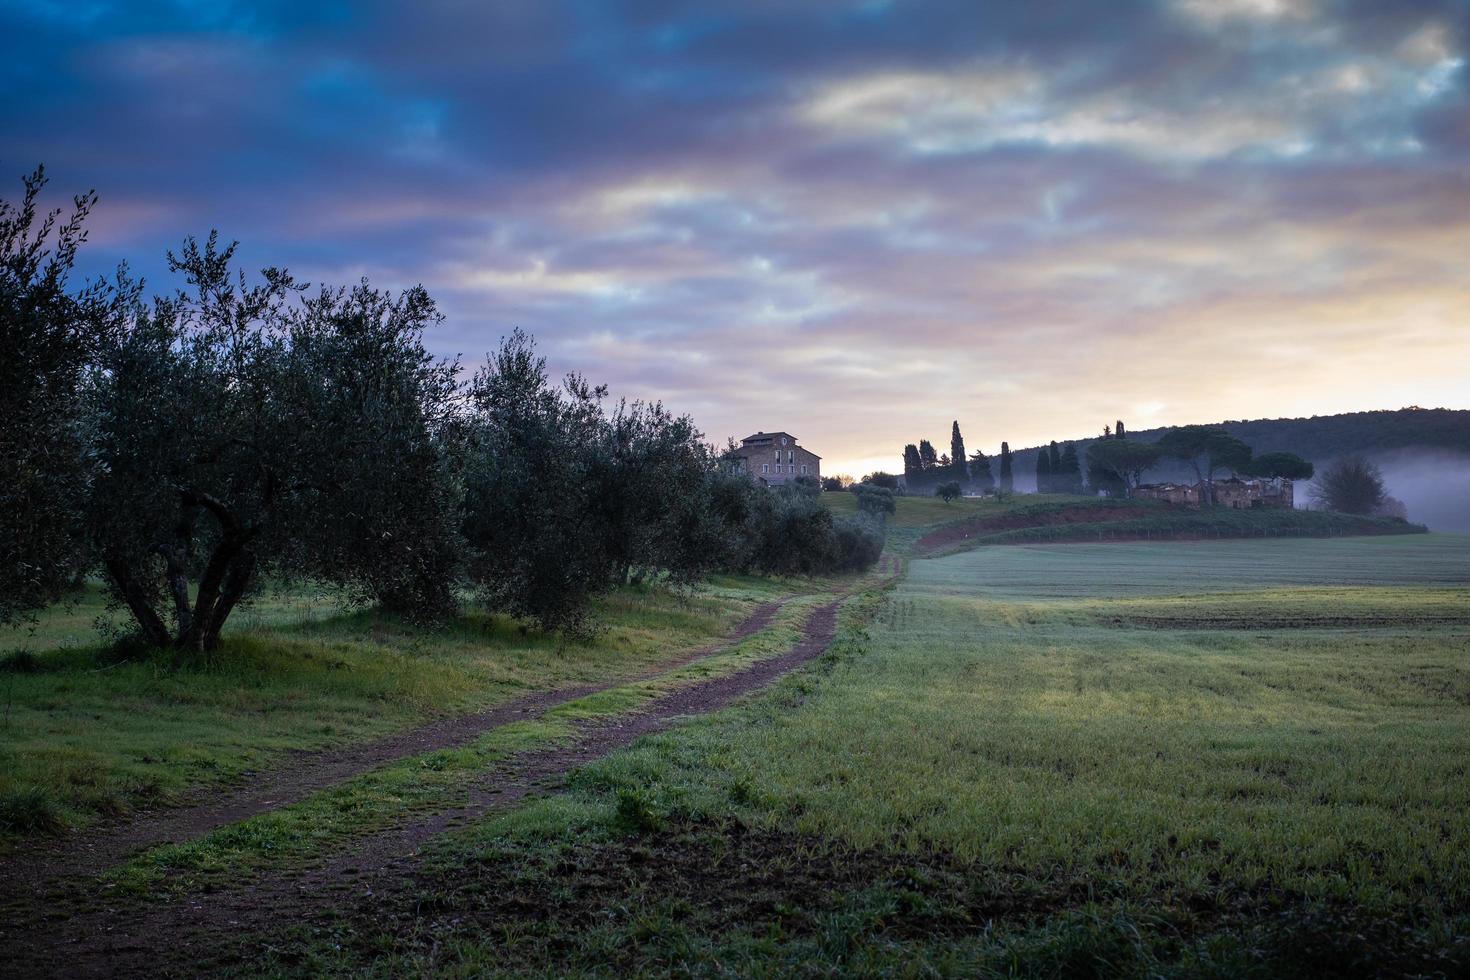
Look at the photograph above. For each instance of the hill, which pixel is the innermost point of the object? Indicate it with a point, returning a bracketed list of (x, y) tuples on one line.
[(1424, 453), (926, 526)]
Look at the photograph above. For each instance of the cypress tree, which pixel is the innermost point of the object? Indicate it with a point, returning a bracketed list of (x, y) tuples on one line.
[(1055, 453), (927, 457), (980, 471), (1118, 432), (957, 453), (1043, 471), (1007, 480), (913, 468), (1071, 475)]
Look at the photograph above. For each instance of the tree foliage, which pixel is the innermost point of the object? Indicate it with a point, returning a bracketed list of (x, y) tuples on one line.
[(874, 500), (1207, 449), (244, 428), (49, 334), (1121, 463), (980, 474), (1352, 485), (959, 470), (1272, 465)]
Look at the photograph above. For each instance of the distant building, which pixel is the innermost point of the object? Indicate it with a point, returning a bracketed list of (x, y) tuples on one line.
[(774, 458), (1183, 494), (1234, 492)]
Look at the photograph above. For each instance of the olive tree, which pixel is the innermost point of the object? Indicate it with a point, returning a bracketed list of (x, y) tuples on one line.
[(245, 428), (49, 334), (382, 438), (535, 549)]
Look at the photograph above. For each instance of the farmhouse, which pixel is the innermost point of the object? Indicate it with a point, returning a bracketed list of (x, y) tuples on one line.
[(1172, 493), (1234, 492), (774, 458)]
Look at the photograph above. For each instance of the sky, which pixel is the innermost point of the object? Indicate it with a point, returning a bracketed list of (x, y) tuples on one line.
[(851, 221)]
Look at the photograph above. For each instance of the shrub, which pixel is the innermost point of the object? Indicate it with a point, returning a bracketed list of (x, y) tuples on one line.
[(1350, 486), (874, 500), (880, 479), (948, 491), (859, 543)]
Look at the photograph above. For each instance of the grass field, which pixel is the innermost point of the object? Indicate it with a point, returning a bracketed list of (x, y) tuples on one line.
[(927, 526), (1201, 759), (88, 728)]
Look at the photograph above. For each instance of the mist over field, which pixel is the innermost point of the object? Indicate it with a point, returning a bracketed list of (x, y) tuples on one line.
[(1434, 485)]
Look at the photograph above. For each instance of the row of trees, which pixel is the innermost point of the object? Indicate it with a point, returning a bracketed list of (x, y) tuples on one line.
[(1113, 465), (189, 446), (1117, 464), (1058, 470), (924, 470)]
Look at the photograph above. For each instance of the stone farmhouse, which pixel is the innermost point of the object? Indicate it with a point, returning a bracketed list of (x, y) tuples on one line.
[(774, 458), (1234, 492)]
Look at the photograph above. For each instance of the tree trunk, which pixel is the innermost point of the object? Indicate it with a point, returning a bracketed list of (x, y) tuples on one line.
[(220, 588), (242, 570), (133, 596)]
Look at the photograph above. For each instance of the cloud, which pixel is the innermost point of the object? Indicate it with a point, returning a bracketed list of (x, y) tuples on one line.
[(857, 222)]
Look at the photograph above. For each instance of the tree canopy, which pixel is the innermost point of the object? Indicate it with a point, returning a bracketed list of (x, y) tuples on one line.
[(1273, 465), (1206, 448), (1352, 485)]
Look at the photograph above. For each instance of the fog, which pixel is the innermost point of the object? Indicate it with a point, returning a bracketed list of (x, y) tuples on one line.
[(1434, 485)]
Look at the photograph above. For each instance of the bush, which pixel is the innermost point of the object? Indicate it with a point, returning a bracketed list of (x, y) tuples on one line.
[(807, 485), (948, 491), (790, 533), (859, 543), (874, 500), (880, 479), (1350, 486)]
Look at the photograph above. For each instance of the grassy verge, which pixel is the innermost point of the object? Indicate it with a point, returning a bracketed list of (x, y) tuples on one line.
[(86, 730), (1015, 781)]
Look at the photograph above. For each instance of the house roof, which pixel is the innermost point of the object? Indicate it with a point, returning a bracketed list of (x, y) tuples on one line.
[(763, 435)]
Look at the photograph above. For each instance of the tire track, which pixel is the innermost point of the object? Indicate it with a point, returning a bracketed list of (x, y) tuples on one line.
[(185, 935), (88, 852)]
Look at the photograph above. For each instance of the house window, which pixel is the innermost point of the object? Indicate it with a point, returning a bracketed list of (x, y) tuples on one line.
[(778, 467), (803, 469), (765, 467)]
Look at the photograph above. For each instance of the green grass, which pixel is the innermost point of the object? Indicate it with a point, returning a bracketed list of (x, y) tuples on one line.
[(929, 512), (928, 526), (916, 516), (1050, 761), (325, 821), (87, 730), (1217, 523)]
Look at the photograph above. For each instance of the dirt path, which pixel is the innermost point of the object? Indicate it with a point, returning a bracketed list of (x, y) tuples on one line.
[(87, 853), (189, 934)]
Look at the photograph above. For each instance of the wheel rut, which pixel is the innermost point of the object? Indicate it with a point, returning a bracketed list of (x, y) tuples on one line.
[(91, 851)]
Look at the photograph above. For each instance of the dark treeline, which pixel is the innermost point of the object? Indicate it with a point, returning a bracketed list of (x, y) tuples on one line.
[(1318, 439), (1112, 465), (188, 446)]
